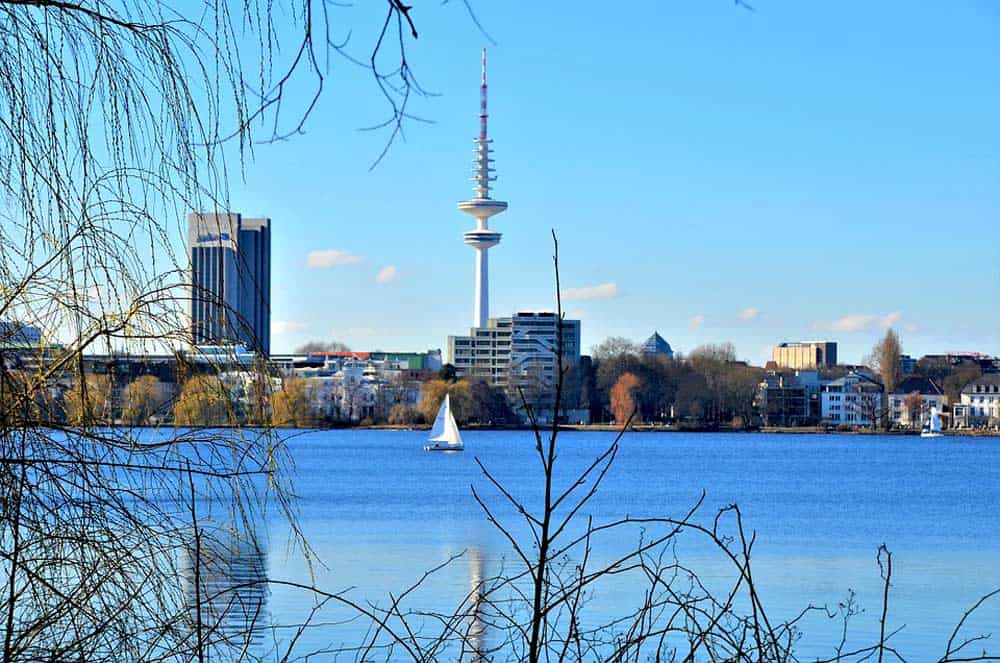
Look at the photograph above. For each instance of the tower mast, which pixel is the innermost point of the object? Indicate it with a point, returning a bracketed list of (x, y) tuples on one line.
[(482, 207)]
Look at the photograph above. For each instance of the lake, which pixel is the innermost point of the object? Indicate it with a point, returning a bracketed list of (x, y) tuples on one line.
[(378, 511)]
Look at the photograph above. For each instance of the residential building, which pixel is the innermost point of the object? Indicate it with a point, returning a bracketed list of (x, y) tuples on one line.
[(519, 355), (805, 355), (789, 398), (980, 404), (907, 365), (655, 345), (231, 280), (852, 400), (911, 401), (351, 386)]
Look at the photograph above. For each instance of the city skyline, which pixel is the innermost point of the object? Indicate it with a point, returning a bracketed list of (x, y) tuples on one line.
[(745, 198)]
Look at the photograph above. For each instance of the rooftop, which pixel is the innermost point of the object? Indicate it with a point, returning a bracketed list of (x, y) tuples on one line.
[(988, 380), (921, 385), (656, 345)]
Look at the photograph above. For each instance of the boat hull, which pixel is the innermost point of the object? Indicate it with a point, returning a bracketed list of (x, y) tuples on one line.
[(929, 434), (443, 447)]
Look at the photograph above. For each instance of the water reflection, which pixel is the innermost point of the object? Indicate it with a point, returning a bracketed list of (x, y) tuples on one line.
[(226, 592), (477, 592)]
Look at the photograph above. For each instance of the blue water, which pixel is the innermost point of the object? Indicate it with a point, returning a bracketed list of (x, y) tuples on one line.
[(378, 511)]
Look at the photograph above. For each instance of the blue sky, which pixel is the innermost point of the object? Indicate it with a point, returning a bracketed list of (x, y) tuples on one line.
[(802, 171)]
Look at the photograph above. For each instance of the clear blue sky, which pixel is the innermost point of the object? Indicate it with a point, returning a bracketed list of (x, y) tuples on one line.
[(808, 170)]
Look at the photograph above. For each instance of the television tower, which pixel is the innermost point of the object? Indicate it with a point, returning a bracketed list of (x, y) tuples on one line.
[(482, 207)]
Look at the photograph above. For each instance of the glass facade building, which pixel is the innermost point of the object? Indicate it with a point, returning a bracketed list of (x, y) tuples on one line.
[(230, 280)]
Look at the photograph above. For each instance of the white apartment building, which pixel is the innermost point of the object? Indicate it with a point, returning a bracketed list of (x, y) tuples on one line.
[(853, 400), (980, 404)]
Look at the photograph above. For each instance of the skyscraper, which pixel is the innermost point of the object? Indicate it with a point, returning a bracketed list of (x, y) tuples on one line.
[(255, 282), (230, 279)]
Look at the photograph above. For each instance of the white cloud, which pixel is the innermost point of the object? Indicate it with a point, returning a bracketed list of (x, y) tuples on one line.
[(279, 327), (331, 258), (602, 291), (860, 322), (696, 322), (749, 313), (387, 274), (575, 314)]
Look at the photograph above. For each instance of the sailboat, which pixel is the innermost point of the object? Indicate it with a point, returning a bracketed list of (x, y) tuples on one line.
[(932, 425), (444, 434)]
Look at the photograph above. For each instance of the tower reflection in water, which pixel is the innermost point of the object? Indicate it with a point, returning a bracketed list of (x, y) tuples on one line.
[(476, 643), (225, 589)]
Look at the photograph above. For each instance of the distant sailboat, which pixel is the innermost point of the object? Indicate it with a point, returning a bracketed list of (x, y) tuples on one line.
[(444, 434), (932, 425)]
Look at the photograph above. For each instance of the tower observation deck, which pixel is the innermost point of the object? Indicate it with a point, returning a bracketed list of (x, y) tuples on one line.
[(482, 207)]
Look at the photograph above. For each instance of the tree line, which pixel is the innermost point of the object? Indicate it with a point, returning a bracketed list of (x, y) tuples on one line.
[(708, 387)]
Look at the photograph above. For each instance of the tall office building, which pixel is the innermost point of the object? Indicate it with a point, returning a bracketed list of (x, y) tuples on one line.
[(255, 282), (517, 354), (805, 356), (231, 280)]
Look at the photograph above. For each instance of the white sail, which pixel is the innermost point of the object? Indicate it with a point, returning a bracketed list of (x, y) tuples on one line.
[(935, 421), (445, 429), (437, 430)]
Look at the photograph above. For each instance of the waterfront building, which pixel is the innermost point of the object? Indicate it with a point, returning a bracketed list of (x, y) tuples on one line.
[(518, 354), (805, 355), (655, 345), (482, 207), (904, 411), (352, 386), (979, 406), (789, 398), (230, 259), (853, 400)]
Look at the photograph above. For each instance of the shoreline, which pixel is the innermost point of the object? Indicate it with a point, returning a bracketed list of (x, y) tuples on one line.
[(661, 428), (611, 428)]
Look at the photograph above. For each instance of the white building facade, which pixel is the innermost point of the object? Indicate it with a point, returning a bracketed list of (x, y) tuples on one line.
[(853, 400), (353, 386), (980, 404)]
